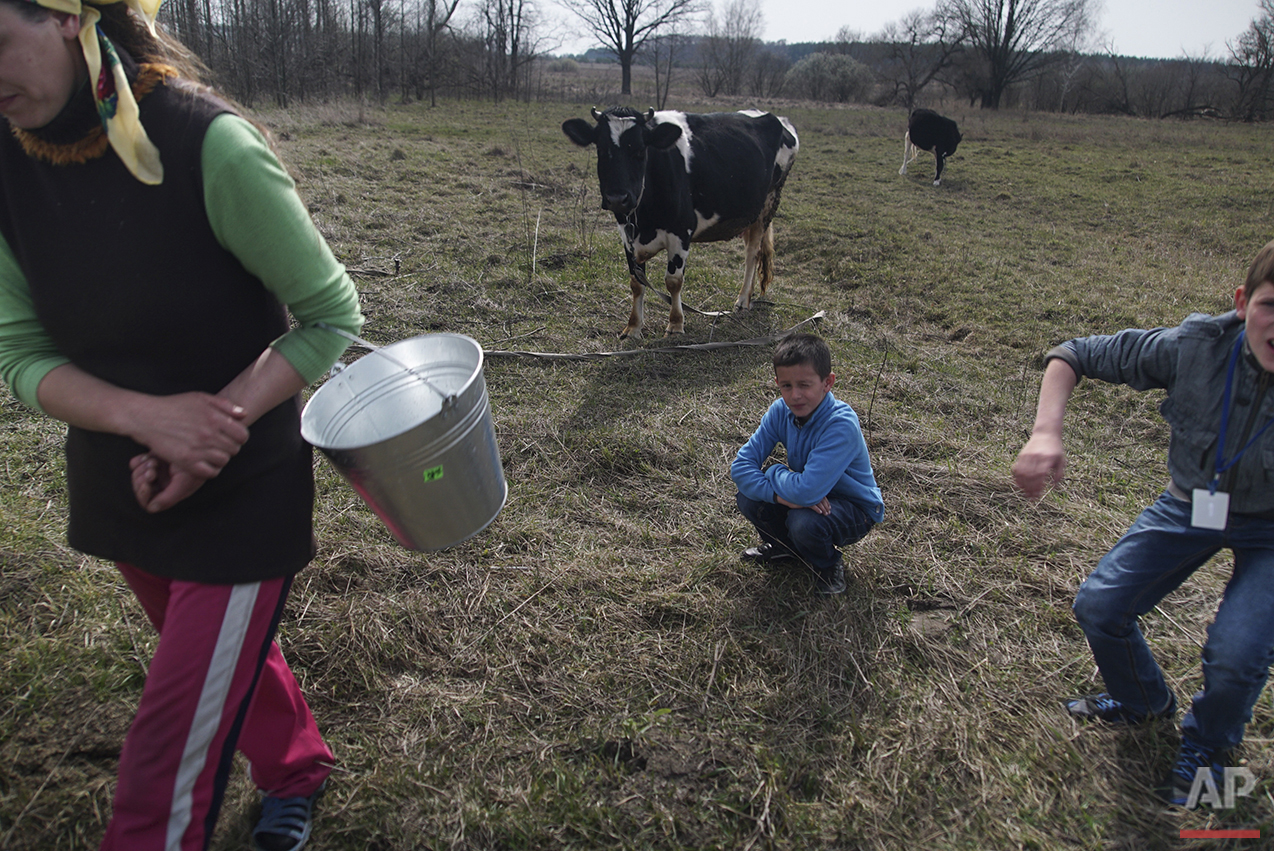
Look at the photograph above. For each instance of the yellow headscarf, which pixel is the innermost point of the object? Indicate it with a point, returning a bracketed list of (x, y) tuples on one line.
[(111, 90)]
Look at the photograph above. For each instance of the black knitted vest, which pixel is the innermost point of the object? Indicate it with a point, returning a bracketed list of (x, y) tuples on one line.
[(132, 286)]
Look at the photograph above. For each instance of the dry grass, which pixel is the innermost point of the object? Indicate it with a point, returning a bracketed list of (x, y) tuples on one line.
[(598, 669)]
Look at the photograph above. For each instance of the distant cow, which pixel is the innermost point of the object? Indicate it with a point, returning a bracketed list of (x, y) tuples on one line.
[(672, 178), (929, 131)]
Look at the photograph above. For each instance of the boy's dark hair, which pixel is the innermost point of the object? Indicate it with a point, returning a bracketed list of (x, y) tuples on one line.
[(796, 349), (1261, 270)]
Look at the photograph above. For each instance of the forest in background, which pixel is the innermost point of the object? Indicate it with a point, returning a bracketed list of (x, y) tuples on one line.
[(285, 52)]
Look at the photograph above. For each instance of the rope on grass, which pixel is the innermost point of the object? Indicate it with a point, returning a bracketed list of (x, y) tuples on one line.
[(691, 347)]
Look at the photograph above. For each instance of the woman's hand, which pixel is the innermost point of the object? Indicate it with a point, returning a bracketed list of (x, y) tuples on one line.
[(195, 432), (158, 485), (190, 437)]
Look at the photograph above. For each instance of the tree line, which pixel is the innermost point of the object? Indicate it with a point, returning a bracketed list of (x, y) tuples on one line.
[(1036, 54)]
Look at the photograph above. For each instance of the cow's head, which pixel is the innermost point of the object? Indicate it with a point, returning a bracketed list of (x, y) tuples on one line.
[(622, 136)]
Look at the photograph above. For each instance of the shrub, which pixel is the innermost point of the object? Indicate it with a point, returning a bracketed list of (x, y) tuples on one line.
[(564, 66), (829, 77)]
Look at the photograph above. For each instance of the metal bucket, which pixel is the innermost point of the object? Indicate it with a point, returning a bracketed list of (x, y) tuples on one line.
[(409, 426)]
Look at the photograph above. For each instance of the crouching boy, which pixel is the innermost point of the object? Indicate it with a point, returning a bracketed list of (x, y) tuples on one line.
[(825, 496), (1217, 373)]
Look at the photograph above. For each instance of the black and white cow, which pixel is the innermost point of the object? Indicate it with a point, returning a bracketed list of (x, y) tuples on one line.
[(929, 131), (672, 178)]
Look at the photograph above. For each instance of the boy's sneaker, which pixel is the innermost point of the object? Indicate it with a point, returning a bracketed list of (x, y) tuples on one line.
[(1103, 707), (767, 552), (285, 822), (831, 580), (1175, 788)]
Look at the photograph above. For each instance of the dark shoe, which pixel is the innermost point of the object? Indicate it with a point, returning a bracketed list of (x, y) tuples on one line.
[(1103, 707), (285, 822), (831, 581), (1191, 758), (766, 553)]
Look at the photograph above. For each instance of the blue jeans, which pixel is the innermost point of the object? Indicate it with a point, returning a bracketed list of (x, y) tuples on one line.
[(1156, 555), (812, 536)]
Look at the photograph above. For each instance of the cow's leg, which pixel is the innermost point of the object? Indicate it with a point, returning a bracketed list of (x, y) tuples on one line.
[(765, 259), (937, 178), (907, 148), (753, 243), (636, 278), (672, 281)]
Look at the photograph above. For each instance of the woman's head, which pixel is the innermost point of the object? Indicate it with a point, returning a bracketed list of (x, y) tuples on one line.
[(45, 58), (41, 63)]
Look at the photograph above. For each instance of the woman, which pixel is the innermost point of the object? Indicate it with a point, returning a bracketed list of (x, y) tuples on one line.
[(148, 240)]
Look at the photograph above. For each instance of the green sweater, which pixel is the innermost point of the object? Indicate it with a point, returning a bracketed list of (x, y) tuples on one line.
[(257, 216)]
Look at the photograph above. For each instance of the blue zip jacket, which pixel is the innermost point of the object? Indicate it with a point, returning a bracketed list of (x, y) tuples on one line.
[(826, 456)]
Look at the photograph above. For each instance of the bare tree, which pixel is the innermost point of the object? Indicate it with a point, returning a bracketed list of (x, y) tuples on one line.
[(423, 58), (662, 51), (921, 46), (1252, 66), (844, 40), (769, 72), (729, 48), (1073, 52), (623, 26), (507, 32), (1013, 40)]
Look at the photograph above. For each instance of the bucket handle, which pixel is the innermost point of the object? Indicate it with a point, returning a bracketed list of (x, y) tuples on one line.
[(448, 399)]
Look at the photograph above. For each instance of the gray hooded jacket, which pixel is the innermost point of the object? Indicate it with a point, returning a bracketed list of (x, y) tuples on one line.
[(1190, 362)]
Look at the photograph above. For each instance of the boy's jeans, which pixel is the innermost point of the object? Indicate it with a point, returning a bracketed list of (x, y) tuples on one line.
[(1157, 553), (812, 536)]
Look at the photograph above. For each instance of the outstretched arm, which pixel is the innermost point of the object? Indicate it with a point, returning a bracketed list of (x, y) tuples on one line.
[(1042, 461)]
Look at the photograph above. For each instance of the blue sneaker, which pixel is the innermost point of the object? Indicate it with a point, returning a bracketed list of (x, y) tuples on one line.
[(285, 822), (1103, 707), (1175, 788)]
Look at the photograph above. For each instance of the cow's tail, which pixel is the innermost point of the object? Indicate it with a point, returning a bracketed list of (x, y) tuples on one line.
[(765, 259)]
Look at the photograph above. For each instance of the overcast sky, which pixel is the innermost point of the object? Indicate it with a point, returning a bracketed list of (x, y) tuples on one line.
[(1156, 28)]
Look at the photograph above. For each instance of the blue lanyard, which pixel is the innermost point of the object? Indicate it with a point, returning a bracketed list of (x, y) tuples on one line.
[(1221, 464)]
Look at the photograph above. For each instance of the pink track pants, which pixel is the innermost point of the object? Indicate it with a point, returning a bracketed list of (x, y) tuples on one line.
[(217, 681)]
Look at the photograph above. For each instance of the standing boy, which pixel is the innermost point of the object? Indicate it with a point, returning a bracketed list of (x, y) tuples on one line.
[(1216, 370), (825, 496)]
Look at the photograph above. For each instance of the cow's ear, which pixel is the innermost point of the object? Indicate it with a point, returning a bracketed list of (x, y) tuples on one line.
[(579, 131), (663, 135)]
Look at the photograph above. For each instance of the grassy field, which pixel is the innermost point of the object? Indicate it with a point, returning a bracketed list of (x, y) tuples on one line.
[(598, 669)]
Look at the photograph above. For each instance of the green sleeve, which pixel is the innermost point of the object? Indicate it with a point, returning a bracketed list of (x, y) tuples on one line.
[(257, 216), (26, 351)]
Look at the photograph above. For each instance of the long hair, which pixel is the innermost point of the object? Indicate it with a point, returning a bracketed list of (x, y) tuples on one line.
[(127, 31)]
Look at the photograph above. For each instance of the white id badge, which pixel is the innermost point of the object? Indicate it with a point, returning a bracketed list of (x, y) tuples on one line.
[(1210, 510)]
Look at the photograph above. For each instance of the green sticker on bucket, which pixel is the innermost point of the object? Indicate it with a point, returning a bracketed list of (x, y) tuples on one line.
[(433, 473)]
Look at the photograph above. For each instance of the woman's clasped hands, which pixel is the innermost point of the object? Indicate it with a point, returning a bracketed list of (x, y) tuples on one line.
[(190, 438)]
